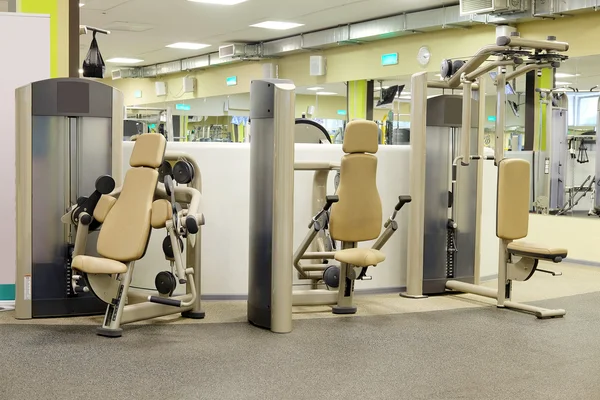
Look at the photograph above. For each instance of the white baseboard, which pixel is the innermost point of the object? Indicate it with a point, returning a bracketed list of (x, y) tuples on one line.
[(7, 305)]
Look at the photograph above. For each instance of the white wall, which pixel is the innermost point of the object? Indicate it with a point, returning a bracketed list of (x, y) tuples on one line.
[(225, 197), (25, 55)]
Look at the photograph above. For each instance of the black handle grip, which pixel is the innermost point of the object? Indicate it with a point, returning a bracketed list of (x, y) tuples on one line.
[(330, 200), (402, 200), (165, 301), (191, 224)]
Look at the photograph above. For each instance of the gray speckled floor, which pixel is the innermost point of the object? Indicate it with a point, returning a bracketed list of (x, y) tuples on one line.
[(478, 353)]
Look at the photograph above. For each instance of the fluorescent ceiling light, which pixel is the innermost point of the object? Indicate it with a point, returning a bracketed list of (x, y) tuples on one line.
[(559, 83), (220, 2), (326, 94), (278, 25), (188, 46), (565, 75), (81, 4), (80, 71), (315, 88), (404, 97), (120, 60)]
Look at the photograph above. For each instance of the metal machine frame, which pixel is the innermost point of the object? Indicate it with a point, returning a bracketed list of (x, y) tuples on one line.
[(45, 141), (526, 55)]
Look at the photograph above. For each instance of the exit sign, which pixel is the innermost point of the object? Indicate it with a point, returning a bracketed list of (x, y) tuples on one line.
[(389, 59), (231, 81)]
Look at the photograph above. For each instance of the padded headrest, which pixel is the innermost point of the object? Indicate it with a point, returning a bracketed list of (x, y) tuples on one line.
[(148, 151), (361, 137)]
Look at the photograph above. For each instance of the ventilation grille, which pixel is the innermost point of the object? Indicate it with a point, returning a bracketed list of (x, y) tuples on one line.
[(468, 7)]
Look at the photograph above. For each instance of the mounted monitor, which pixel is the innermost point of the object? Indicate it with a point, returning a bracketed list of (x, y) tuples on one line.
[(388, 95)]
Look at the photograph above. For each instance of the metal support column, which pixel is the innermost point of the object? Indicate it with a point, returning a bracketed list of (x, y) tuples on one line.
[(272, 109), (416, 220)]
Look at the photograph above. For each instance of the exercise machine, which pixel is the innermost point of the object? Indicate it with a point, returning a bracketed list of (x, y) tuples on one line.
[(127, 216), (355, 216), (443, 247), (68, 133)]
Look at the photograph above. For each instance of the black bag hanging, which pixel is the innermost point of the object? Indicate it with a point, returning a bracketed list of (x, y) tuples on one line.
[(93, 65)]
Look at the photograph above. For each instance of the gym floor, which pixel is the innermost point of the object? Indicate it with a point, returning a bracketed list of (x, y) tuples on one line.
[(443, 347)]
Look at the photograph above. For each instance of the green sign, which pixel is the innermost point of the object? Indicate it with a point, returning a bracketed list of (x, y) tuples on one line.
[(492, 118), (389, 59), (184, 107), (138, 94), (342, 112), (231, 81)]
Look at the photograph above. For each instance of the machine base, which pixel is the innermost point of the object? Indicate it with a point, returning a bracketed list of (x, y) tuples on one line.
[(410, 296), (111, 333), (193, 314), (343, 310)]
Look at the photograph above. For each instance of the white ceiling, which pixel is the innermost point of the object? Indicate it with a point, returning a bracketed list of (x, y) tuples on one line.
[(142, 28)]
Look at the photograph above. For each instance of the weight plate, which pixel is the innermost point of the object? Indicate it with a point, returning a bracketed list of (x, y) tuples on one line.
[(164, 170), (183, 172)]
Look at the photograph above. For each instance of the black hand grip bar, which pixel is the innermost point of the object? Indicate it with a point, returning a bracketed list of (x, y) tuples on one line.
[(402, 200), (330, 200), (165, 301)]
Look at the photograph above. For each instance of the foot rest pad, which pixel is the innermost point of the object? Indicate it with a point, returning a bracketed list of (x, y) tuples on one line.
[(524, 249)]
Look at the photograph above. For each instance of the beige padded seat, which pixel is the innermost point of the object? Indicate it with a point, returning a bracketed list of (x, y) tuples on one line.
[(126, 221), (96, 265), (357, 217), (512, 214), (360, 257), (536, 251)]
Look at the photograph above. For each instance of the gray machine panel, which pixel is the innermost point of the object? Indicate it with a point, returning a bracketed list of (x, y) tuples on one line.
[(446, 111), (444, 119), (71, 97)]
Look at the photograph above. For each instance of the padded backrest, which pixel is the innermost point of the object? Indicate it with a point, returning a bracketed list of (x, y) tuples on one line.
[(126, 230), (357, 216), (148, 151), (512, 213)]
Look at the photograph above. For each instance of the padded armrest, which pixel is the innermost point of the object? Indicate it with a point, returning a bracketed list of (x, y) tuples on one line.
[(162, 211), (524, 249), (105, 204)]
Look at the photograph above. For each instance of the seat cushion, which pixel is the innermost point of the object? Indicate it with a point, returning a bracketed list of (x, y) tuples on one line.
[(536, 251), (97, 265), (360, 257)]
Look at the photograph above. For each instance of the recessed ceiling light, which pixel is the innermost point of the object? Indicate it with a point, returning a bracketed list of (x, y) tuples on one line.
[(277, 25), (220, 2), (559, 83), (326, 94), (81, 4), (120, 60), (315, 88), (565, 75), (80, 71), (188, 46)]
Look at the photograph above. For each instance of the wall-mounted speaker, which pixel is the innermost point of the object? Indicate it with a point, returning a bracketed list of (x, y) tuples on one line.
[(161, 88), (318, 65)]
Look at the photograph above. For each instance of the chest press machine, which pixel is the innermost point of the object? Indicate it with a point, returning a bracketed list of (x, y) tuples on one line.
[(127, 216), (443, 248), (355, 214)]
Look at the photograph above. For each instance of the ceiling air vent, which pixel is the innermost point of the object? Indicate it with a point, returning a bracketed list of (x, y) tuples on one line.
[(468, 7), (124, 73), (232, 50)]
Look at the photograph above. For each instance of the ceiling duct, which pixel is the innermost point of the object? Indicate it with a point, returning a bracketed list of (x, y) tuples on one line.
[(282, 46), (545, 8), (123, 73), (195, 62), (383, 28), (468, 7)]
